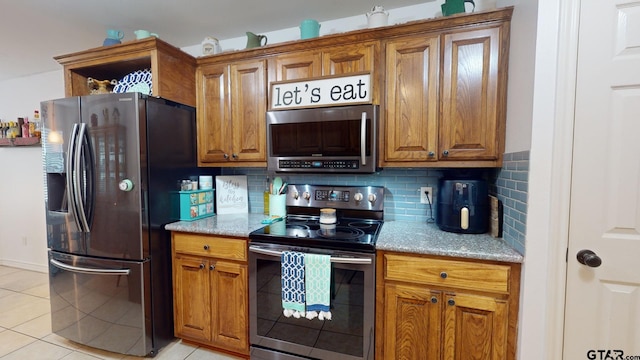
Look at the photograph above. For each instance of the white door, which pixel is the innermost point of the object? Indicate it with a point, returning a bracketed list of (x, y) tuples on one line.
[(602, 316)]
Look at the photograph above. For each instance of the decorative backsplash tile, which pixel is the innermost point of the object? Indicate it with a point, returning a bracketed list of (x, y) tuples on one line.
[(402, 197), (512, 187), (402, 188)]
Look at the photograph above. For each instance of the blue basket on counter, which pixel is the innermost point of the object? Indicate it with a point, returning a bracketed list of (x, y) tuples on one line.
[(192, 205)]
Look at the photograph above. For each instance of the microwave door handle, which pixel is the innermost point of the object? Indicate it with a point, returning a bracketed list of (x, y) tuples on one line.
[(71, 175), (334, 259), (363, 139)]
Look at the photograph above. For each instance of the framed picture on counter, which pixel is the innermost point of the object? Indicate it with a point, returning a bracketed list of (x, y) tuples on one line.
[(232, 196)]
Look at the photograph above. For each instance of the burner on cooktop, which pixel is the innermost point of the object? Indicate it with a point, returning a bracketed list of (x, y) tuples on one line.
[(339, 233)]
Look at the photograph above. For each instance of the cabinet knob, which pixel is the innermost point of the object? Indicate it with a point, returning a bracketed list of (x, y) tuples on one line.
[(443, 275), (201, 266), (432, 154), (206, 247), (226, 156), (212, 267), (451, 302), (445, 153), (235, 156), (434, 300)]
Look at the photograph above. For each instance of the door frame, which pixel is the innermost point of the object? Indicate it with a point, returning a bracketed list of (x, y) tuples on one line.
[(547, 238)]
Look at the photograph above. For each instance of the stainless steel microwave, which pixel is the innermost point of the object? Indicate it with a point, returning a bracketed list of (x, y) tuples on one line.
[(341, 139)]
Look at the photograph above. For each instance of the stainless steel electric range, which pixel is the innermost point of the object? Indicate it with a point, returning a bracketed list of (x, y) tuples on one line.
[(340, 221)]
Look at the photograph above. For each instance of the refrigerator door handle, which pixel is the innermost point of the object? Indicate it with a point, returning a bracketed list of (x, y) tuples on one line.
[(87, 163), (71, 175), (80, 178), (84, 270)]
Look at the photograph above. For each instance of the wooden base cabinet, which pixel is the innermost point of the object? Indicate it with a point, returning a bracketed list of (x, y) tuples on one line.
[(430, 308), (210, 282)]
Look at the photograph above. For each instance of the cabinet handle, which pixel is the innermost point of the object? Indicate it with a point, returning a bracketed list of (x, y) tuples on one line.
[(451, 302), (434, 300), (445, 153), (443, 275), (235, 156), (432, 154), (206, 247), (201, 266), (226, 156), (212, 267)]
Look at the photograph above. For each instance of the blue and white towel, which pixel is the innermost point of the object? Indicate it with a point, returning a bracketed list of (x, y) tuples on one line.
[(318, 286), (293, 291)]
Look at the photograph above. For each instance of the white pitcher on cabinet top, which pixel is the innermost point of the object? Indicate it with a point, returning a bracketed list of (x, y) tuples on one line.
[(377, 17)]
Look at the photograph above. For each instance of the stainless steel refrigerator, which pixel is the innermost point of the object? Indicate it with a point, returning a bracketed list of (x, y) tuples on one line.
[(110, 163)]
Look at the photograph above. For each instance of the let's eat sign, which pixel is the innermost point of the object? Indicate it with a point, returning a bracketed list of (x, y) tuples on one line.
[(335, 90)]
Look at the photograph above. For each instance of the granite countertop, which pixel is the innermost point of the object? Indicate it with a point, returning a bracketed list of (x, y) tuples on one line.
[(401, 236), (423, 238), (227, 224)]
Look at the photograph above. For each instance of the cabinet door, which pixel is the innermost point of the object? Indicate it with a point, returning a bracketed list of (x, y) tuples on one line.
[(410, 124), (214, 131), (347, 59), (475, 327), (229, 303), (469, 125), (299, 65), (412, 323), (248, 122), (192, 298)]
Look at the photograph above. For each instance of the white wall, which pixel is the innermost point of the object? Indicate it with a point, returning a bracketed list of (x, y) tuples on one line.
[(521, 74), (22, 222)]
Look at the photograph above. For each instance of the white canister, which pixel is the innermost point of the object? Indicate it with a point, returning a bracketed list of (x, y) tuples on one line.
[(206, 182), (377, 17), (211, 46)]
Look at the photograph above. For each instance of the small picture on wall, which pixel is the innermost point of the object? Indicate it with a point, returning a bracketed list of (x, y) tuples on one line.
[(232, 196)]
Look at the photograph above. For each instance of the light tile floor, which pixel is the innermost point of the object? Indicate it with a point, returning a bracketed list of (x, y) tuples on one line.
[(25, 326)]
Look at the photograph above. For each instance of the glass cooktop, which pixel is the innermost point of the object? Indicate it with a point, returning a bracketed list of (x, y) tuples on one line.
[(307, 231)]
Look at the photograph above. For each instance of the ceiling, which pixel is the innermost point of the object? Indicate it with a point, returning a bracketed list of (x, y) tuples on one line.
[(32, 32)]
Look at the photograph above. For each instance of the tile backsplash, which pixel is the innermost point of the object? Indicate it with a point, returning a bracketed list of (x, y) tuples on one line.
[(402, 188), (402, 191), (512, 187)]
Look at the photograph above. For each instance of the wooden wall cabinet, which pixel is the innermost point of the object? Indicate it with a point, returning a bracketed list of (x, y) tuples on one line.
[(446, 98), (231, 113), (173, 70), (431, 308), (441, 84), (333, 60), (210, 292)]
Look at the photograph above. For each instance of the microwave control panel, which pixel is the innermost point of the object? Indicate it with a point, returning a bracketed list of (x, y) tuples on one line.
[(319, 164)]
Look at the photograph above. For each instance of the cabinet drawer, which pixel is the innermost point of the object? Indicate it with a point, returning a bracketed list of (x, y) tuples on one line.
[(458, 274), (211, 246)]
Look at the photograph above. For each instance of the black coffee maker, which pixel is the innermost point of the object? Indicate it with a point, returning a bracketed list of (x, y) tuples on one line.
[(463, 206)]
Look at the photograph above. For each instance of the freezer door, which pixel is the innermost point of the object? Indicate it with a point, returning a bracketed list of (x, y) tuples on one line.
[(116, 134), (61, 119), (101, 303)]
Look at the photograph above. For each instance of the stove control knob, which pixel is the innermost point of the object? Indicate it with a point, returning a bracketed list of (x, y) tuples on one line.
[(295, 195), (372, 198), (306, 195), (358, 197)]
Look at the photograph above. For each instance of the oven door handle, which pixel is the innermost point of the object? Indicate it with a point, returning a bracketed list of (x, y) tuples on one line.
[(334, 259)]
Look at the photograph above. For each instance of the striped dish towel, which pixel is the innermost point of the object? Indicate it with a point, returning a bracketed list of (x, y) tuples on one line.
[(318, 286), (293, 293)]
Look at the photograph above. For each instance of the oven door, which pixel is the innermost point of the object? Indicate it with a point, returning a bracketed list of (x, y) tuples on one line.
[(350, 333), (323, 140)]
